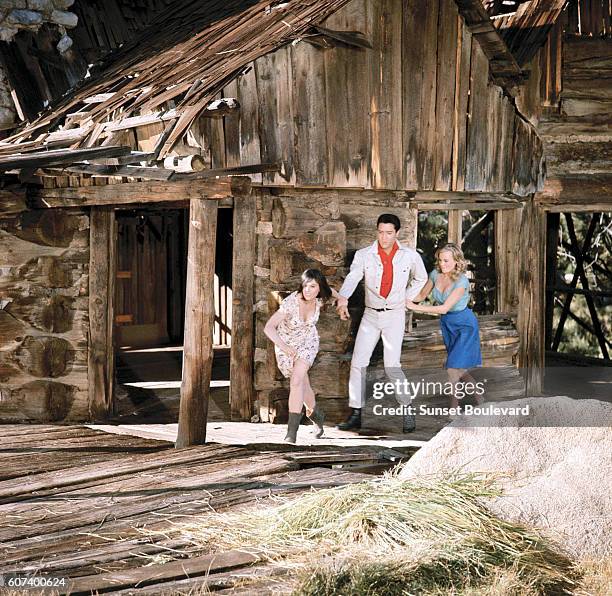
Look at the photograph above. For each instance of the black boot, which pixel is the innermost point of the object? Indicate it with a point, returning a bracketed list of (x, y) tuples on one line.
[(353, 421), (409, 423), (317, 417), (292, 427)]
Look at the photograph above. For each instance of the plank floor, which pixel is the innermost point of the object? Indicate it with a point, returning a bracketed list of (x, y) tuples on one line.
[(80, 503)]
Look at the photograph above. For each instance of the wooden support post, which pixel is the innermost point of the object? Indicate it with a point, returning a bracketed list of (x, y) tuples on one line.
[(102, 271), (199, 321), (552, 242), (531, 297), (455, 219), (241, 353), (507, 252)]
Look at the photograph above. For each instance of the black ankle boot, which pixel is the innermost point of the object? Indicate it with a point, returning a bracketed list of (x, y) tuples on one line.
[(292, 427), (317, 417), (353, 421)]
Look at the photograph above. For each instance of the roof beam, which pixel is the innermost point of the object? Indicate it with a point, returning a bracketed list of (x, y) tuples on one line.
[(58, 157), (504, 69), (140, 192)]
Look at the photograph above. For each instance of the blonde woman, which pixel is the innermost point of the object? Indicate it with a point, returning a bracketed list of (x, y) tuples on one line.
[(450, 290)]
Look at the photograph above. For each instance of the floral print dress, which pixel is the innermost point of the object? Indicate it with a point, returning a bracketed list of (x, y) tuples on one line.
[(301, 335)]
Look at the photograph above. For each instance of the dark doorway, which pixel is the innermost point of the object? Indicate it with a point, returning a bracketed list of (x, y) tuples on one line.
[(150, 313)]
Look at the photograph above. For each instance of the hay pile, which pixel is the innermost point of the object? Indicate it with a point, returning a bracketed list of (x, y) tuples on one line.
[(419, 535)]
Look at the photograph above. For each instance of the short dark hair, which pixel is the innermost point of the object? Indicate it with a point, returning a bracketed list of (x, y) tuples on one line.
[(315, 275), (389, 218)]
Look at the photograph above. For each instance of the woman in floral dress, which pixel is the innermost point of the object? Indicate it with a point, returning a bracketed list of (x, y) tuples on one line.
[(293, 330)]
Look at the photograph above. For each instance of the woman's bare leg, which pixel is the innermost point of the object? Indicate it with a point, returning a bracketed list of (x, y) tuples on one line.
[(454, 375), (309, 396), (299, 376)]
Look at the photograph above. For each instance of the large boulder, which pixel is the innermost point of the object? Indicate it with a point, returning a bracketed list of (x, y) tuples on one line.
[(555, 467)]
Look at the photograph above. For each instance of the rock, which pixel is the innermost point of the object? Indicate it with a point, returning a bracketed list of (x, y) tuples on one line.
[(64, 44), (63, 4), (62, 17), (44, 6), (554, 466), (25, 18), (11, 4), (7, 33)]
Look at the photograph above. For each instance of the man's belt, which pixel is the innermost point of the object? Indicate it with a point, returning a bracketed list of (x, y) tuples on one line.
[(383, 309)]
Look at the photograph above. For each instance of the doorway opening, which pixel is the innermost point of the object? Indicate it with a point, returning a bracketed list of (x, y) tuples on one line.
[(150, 314)]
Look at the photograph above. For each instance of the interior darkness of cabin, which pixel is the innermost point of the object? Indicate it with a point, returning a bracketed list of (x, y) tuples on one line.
[(150, 312)]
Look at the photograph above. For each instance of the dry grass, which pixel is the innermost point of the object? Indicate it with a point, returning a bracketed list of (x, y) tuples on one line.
[(421, 535)]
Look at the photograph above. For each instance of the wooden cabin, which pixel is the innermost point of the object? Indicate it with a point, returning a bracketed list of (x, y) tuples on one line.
[(172, 192)]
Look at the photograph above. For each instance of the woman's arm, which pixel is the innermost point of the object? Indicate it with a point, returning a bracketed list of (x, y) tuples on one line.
[(427, 288), (271, 333), (442, 309)]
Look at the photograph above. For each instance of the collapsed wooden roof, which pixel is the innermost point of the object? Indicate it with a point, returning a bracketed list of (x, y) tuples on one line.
[(174, 68), (526, 30)]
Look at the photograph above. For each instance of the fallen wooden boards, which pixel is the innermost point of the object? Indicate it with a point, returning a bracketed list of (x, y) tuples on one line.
[(100, 523)]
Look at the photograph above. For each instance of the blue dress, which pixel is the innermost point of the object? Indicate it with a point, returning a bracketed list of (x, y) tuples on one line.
[(459, 326)]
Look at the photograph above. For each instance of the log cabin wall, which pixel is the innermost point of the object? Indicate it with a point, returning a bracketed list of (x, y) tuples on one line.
[(44, 303)]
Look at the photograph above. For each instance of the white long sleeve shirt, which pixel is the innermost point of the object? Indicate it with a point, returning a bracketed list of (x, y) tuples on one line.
[(409, 276)]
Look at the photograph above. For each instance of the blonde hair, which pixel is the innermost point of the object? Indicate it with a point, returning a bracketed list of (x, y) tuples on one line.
[(460, 260)]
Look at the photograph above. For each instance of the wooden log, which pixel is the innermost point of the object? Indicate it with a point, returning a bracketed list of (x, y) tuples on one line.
[(289, 219), (45, 356), (139, 192), (12, 201), (45, 228), (577, 189), (241, 352), (102, 275), (531, 297), (199, 322)]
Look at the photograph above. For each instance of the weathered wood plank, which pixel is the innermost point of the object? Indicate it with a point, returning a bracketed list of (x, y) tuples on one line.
[(507, 256), (429, 95), (308, 70), (445, 93), (384, 64), (477, 138), (199, 321), (241, 352), (275, 92), (462, 89), (348, 93), (250, 147), (412, 82), (531, 296), (59, 157), (140, 192)]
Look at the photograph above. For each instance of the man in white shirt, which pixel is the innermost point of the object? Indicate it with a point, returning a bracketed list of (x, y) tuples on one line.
[(393, 274)]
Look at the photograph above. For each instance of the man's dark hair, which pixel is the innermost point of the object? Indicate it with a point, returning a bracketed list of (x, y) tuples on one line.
[(389, 218), (315, 275)]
